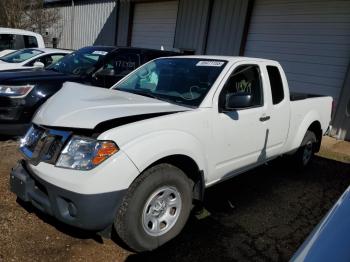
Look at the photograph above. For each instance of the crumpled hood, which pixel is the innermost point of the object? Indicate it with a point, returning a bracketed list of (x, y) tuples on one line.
[(82, 106)]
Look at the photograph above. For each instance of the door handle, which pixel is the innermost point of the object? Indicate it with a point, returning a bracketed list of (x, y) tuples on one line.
[(264, 118)]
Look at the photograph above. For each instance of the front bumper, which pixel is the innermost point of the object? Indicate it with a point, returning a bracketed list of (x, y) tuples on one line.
[(94, 212)]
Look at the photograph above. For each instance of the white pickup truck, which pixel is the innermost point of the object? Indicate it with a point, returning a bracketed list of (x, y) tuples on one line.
[(137, 158)]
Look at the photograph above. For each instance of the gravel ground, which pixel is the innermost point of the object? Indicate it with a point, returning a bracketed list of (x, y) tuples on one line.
[(263, 215)]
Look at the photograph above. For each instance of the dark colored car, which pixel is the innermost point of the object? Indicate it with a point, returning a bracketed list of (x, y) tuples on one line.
[(21, 93), (329, 241)]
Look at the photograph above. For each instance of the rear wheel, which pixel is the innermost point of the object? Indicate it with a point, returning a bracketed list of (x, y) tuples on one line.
[(155, 209), (306, 151)]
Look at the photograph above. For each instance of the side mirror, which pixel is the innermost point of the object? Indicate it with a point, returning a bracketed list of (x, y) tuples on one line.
[(39, 65), (237, 101)]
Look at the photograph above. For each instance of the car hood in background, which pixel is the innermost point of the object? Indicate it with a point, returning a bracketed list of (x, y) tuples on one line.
[(28, 75), (6, 52), (9, 66), (82, 106)]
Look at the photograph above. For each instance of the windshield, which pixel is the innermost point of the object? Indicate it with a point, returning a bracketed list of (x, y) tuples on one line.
[(183, 81), (80, 62), (20, 56)]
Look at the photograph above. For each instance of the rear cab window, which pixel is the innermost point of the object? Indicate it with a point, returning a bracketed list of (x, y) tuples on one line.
[(276, 84), (30, 41)]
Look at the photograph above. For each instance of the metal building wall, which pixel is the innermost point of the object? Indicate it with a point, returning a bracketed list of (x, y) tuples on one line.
[(154, 24), (123, 23), (212, 27), (311, 39), (62, 30), (341, 121), (94, 22), (191, 25), (226, 27)]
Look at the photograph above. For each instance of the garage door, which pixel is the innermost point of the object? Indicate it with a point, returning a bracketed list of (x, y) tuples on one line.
[(310, 39), (154, 25)]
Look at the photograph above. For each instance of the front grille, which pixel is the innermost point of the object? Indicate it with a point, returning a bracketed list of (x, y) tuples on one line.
[(43, 145)]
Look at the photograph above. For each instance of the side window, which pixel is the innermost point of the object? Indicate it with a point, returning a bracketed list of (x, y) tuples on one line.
[(19, 42), (123, 64), (276, 84), (30, 41), (55, 58), (41, 59), (245, 80), (6, 41)]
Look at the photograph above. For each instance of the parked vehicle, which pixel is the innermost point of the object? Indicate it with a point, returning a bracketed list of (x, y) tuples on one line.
[(15, 39), (30, 58), (21, 93), (138, 156), (328, 241)]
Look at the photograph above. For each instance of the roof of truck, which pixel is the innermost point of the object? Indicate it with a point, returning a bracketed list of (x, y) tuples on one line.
[(5, 30), (52, 50)]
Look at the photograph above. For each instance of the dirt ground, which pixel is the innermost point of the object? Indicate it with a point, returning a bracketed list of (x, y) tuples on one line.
[(263, 215)]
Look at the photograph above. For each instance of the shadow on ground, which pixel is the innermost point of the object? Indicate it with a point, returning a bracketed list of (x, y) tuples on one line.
[(263, 215)]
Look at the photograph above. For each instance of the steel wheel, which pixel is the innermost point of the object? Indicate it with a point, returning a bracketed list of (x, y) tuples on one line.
[(308, 151), (161, 211)]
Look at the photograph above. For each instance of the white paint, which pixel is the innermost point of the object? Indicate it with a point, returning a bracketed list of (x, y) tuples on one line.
[(12, 31), (27, 63), (222, 146)]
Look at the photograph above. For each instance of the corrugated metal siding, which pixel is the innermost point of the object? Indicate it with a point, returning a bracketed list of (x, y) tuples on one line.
[(62, 30), (123, 23), (226, 27), (94, 23), (191, 25), (154, 24), (310, 39), (341, 122)]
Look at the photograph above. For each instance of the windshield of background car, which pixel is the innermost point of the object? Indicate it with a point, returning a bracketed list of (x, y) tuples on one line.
[(20, 56), (80, 62), (183, 81)]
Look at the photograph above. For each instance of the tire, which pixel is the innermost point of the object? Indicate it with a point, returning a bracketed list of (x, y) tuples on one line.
[(133, 222), (306, 151)]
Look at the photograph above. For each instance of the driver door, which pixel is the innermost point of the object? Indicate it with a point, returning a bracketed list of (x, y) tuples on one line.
[(241, 133)]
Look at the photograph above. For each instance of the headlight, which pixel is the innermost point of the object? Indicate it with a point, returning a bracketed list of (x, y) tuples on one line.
[(15, 91), (85, 153)]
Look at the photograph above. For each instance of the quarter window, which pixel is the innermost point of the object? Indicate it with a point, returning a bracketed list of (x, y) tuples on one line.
[(276, 84), (245, 79), (6, 41), (30, 41)]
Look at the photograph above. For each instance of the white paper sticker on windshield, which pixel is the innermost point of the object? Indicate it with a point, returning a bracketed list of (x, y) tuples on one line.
[(210, 63), (99, 53)]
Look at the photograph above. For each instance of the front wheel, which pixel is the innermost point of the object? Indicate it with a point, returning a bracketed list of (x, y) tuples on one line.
[(155, 209)]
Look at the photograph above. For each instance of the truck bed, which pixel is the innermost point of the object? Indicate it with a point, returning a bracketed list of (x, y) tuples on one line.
[(294, 96), (304, 107)]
